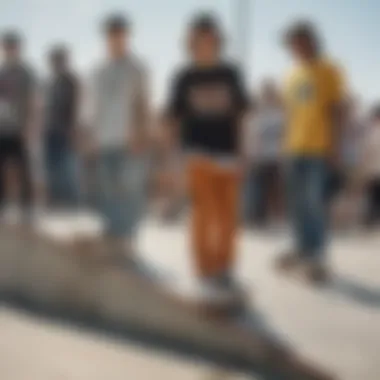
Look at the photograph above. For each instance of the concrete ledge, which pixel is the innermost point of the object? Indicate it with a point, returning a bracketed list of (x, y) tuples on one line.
[(71, 280)]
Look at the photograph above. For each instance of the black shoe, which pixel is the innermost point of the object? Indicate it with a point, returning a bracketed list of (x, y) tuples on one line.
[(315, 273), (227, 283), (287, 262)]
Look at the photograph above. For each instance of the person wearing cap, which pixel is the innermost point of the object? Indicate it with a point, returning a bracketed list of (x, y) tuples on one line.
[(207, 102), (371, 169), (120, 120), (314, 92), (17, 119), (60, 129)]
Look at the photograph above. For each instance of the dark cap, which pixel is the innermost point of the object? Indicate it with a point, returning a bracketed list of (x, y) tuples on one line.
[(116, 23), (205, 22), (11, 38), (58, 51), (376, 112), (301, 29)]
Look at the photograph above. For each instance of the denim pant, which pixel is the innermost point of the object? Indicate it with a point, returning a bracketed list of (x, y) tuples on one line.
[(249, 196), (307, 180), (122, 180), (62, 170)]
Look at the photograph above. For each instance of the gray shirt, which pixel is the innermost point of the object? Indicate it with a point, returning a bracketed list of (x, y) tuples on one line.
[(17, 87), (117, 86)]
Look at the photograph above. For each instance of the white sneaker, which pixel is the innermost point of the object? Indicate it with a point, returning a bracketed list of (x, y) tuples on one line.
[(11, 214)]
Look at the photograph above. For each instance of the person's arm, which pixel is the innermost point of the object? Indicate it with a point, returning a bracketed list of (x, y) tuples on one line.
[(243, 104), (173, 112), (34, 110), (336, 103), (77, 132), (141, 117)]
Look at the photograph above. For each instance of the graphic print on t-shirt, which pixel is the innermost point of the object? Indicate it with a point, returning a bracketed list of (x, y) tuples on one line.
[(210, 98), (7, 108), (304, 92), (16, 88)]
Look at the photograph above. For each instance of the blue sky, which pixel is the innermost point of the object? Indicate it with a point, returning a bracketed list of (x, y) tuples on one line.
[(351, 28)]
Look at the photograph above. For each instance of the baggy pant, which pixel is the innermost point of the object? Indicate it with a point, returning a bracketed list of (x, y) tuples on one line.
[(121, 189), (215, 195)]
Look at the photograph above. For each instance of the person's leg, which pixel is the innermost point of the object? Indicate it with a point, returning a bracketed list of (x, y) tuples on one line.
[(199, 182), (317, 173), (133, 198), (298, 203), (52, 169), (248, 197), (295, 192), (70, 177), (3, 157), (377, 200), (274, 189), (259, 194), (227, 190), (106, 193), (21, 157), (316, 221), (370, 203)]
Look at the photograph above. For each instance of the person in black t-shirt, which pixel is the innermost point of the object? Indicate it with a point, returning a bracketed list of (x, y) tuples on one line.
[(17, 119), (62, 98), (207, 104)]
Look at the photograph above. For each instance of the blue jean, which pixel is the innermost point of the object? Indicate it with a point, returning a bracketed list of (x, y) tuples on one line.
[(62, 170), (249, 196), (122, 187), (307, 181)]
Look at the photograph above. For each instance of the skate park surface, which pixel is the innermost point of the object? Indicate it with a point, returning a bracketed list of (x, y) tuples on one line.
[(336, 326)]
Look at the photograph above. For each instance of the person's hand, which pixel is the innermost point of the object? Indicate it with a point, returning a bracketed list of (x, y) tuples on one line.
[(137, 145), (243, 167), (89, 148), (335, 160)]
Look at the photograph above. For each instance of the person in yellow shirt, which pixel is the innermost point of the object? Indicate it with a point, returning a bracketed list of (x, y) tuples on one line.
[(313, 93)]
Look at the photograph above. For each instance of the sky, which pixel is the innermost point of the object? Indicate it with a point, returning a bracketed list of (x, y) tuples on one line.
[(350, 27)]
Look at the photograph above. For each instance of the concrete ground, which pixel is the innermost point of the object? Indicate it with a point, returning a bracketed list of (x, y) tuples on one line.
[(337, 326)]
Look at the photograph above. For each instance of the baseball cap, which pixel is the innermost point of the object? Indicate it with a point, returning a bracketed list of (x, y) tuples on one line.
[(116, 22), (58, 51), (11, 38), (205, 22), (300, 29)]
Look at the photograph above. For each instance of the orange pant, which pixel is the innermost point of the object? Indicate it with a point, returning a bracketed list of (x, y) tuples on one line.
[(214, 192)]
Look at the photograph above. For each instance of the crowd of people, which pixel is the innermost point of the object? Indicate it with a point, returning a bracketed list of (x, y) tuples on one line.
[(305, 154)]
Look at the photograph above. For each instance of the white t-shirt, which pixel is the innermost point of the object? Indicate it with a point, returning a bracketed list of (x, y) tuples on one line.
[(371, 152), (264, 135), (116, 86)]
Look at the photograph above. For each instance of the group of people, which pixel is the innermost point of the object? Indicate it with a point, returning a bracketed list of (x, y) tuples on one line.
[(291, 150)]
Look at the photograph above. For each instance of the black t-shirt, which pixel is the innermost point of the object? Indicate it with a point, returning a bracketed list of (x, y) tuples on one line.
[(17, 88), (208, 103), (61, 96)]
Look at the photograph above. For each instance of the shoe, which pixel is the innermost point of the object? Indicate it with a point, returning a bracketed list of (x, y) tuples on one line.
[(228, 283), (287, 262), (315, 273), (212, 292), (136, 265)]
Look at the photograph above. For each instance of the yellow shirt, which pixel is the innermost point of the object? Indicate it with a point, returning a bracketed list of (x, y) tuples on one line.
[(310, 94)]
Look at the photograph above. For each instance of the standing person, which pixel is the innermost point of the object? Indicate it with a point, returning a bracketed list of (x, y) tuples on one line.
[(314, 93), (371, 166), (268, 124), (17, 118), (121, 121), (60, 132), (345, 184), (207, 104)]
